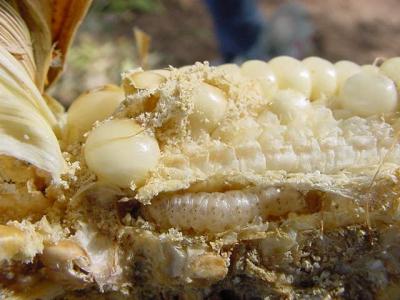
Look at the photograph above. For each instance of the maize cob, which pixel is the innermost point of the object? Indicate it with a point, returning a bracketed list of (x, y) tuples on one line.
[(198, 162), (270, 179)]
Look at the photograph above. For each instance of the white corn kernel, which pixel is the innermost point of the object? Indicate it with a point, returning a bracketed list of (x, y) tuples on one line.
[(391, 68), (368, 93), (208, 266), (11, 242), (291, 74), (209, 107), (345, 69), (67, 263), (95, 105), (145, 79), (289, 104), (56, 255), (262, 72), (230, 70), (163, 72), (323, 77), (370, 68), (121, 153)]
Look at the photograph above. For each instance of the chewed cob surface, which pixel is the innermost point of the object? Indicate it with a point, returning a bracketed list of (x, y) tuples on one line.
[(210, 124), (270, 179)]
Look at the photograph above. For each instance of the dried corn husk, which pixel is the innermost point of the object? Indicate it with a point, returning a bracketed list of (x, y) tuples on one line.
[(34, 39), (16, 38), (26, 122), (52, 26)]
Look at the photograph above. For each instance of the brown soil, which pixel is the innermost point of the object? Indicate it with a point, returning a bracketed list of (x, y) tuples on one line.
[(356, 30)]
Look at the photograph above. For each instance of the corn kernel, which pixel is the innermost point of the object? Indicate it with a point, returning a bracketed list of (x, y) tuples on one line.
[(209, 107), (90, 107), (66, 262), (289, 104), (230, 70), (368, 93), (391, 68), (291, 74), (163, 72), (145, 79), (56, 255), (121, 153), (11, 242), (344, 70), (370, 68), (323, 77), (262, 72)]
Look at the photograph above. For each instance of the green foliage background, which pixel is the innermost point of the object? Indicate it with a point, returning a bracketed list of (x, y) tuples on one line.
[(144, 6)]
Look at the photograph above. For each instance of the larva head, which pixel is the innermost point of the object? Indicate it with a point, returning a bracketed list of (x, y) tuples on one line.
[(121, 152)]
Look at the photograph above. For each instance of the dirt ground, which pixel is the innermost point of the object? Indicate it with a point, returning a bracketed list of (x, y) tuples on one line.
[(359, 30), (182, 33)]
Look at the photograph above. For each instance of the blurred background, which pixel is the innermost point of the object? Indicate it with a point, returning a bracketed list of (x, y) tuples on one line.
[(185, 31)]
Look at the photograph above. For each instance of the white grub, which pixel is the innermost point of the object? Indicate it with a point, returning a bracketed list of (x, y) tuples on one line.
[(217, 212)]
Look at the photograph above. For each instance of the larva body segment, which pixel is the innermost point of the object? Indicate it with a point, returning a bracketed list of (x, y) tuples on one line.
[(218, 212), (206, 212)]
